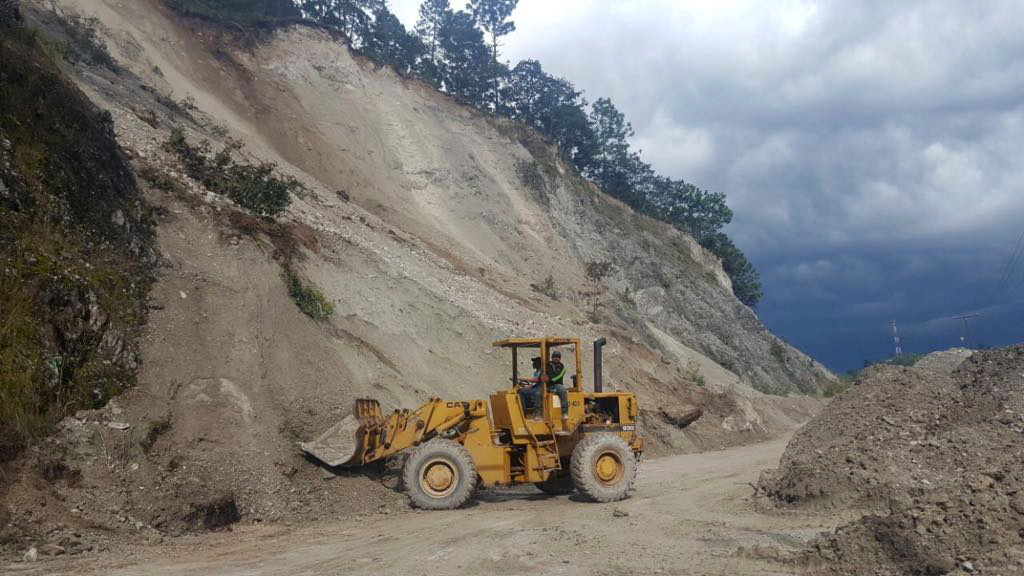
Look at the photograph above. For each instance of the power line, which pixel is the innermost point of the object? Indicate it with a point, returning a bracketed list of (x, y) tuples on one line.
[(1011, 287), (896, 339), (1011, 266), (1011, 292), (967, 327)]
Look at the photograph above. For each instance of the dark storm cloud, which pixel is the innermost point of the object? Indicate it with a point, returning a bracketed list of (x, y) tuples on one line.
[(870, 150)]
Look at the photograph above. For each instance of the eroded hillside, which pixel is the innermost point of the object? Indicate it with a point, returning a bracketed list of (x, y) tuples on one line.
[(432, 230)]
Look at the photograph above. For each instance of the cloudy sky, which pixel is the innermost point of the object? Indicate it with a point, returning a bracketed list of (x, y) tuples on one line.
[(873, 152)]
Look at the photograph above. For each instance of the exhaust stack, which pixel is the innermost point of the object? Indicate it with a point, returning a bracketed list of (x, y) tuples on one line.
[(598, 383)]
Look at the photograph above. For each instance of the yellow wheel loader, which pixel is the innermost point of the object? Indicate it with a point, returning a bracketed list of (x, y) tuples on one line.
[(454, 446)]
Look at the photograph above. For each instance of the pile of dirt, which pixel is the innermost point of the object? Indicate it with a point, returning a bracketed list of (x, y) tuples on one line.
[(103, 479), (931, 454)]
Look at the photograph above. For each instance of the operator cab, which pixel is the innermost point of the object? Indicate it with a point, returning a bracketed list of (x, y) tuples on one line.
[(550, 404), (544, 346)]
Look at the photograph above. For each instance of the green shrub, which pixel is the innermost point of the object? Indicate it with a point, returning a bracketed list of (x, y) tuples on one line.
[(58, 49), (778, 351), (83, 42), (693, 373), (257, 188), (159, 179), (597, 270), (308, 298), (23, 407)]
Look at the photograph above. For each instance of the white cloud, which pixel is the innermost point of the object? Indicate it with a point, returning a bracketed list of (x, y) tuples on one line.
[(674, 149), (814, 270)]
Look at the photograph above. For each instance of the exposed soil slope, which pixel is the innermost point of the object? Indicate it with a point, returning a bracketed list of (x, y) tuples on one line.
[(933, 453), (433, 231)]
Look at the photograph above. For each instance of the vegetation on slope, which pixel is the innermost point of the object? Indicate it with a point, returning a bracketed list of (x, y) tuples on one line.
[(75, 253), (258, 188), (238, 12), (308, 297), (457, 51)]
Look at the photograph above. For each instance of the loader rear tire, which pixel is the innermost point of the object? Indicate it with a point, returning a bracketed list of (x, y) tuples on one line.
[(439, 475), (559, 484), (603, 467)]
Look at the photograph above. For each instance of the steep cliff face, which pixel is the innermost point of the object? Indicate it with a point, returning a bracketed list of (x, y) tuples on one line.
[(432, 229)]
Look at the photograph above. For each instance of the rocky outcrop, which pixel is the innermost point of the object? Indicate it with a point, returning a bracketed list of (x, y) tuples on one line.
[(75, 246)]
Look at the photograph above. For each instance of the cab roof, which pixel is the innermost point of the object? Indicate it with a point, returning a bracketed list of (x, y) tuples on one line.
[(535, 342)]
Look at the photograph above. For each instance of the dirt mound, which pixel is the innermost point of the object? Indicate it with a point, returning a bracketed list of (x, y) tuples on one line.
[(104, 478), (932, 453)]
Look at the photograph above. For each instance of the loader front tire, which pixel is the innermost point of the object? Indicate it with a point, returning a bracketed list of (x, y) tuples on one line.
[(439, 475), (603, 467)]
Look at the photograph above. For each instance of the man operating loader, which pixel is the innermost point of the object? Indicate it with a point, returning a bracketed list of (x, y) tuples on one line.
[(555, 377), (531, 387)]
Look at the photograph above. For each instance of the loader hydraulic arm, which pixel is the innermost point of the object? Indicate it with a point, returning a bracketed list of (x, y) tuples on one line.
[(368, 436)]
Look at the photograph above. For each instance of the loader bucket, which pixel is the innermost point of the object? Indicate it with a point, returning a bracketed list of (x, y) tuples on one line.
[(344, 443), (338, 445)]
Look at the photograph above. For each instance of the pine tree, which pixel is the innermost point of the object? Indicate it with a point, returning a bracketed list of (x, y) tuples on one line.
[(699, 212), (466, 61), (388, 42), (552, 106), (613, 167), (450, 51), (432, 16), (351, 17), (493, 17)]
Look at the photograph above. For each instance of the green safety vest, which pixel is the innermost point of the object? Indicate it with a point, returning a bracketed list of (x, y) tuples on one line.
[(555, 378)]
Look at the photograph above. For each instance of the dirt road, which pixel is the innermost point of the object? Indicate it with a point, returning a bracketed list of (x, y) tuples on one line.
[(689, 515)]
